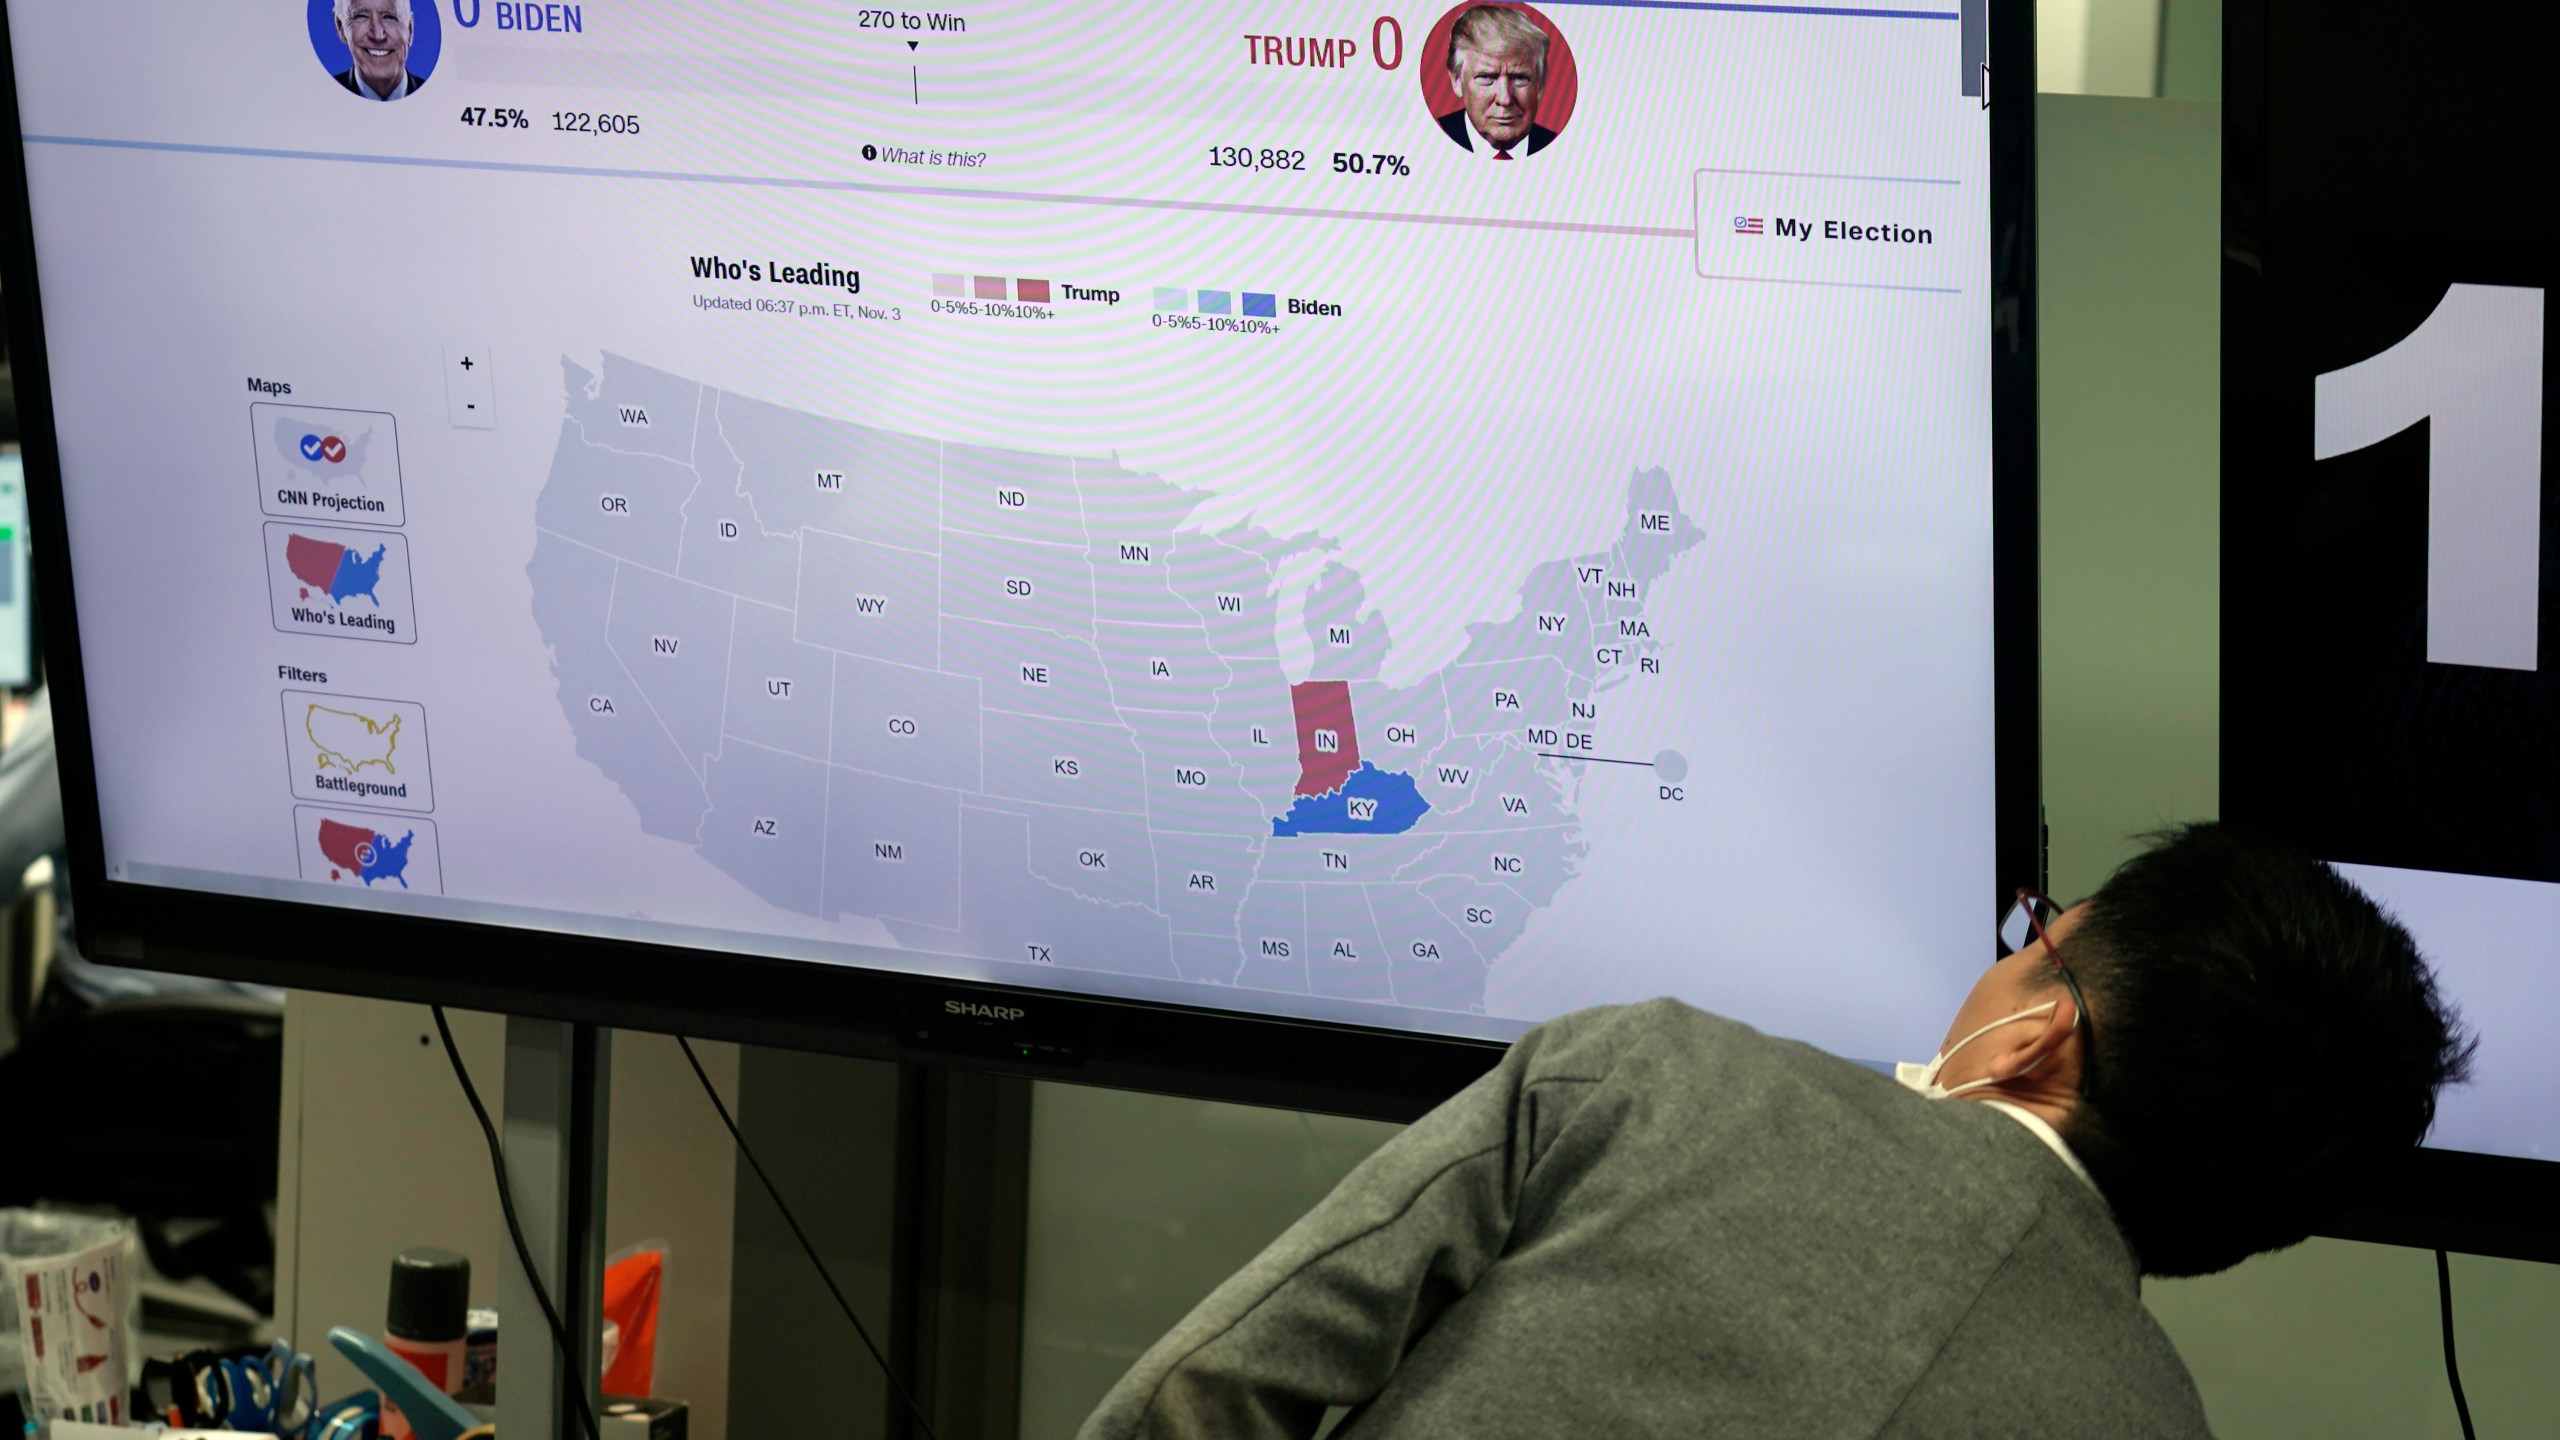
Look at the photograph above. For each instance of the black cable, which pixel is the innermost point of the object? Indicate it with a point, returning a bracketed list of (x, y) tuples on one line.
[(2452, 1368), (576, 1374), (803, 1237)]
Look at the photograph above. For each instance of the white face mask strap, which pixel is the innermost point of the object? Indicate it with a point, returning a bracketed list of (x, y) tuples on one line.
[(2046, 1008), (1924, 1078)]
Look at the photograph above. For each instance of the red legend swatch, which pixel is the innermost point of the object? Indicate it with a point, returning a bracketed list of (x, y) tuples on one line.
[(1031, 291), (990, 287)]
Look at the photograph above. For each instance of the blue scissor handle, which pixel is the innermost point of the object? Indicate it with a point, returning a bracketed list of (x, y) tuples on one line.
[(297, 1398), (246, 1398), (432, 1414)]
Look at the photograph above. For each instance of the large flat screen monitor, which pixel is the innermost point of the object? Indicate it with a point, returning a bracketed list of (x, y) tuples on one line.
[(1326, 535), (2391, 631)]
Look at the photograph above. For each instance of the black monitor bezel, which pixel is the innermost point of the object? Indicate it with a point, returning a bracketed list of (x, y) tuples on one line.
[(2441, 1199), (1171, 1048)]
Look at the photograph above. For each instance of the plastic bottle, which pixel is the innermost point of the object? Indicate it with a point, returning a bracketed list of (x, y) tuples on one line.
[(428, 1323)]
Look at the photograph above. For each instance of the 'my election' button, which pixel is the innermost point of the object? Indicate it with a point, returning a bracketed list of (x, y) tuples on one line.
[(1859, 231)]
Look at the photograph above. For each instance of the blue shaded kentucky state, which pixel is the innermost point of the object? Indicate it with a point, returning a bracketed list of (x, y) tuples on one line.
[(1371, 802)]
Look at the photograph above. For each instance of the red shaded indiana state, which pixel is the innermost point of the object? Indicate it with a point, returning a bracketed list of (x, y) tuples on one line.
[(1328, 741)]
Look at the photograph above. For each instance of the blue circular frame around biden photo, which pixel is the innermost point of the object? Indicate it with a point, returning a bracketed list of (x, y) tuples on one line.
[(426, 39)]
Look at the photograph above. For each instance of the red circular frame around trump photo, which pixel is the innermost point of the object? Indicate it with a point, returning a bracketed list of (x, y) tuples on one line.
[(1556, 97)]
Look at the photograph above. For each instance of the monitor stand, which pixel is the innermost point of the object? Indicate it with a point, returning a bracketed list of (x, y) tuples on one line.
[(558, 1088)]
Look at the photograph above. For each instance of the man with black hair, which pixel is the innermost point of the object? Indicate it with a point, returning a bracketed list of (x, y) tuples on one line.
[(2229, 974), (1648, 1220)]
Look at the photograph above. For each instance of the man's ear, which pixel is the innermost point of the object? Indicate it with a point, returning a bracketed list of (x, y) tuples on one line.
[(2026, 1049)]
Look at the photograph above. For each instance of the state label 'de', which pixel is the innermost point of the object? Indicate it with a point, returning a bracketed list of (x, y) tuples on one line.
[(344, 584), (324, 464)]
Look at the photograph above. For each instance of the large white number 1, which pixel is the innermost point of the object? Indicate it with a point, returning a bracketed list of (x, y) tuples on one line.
[(2475, 369)]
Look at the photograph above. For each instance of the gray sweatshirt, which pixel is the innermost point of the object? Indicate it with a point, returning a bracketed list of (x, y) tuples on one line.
[(1651, 1221)]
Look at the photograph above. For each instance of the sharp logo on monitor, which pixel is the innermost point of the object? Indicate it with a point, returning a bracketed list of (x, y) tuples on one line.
[(982, 1012)]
